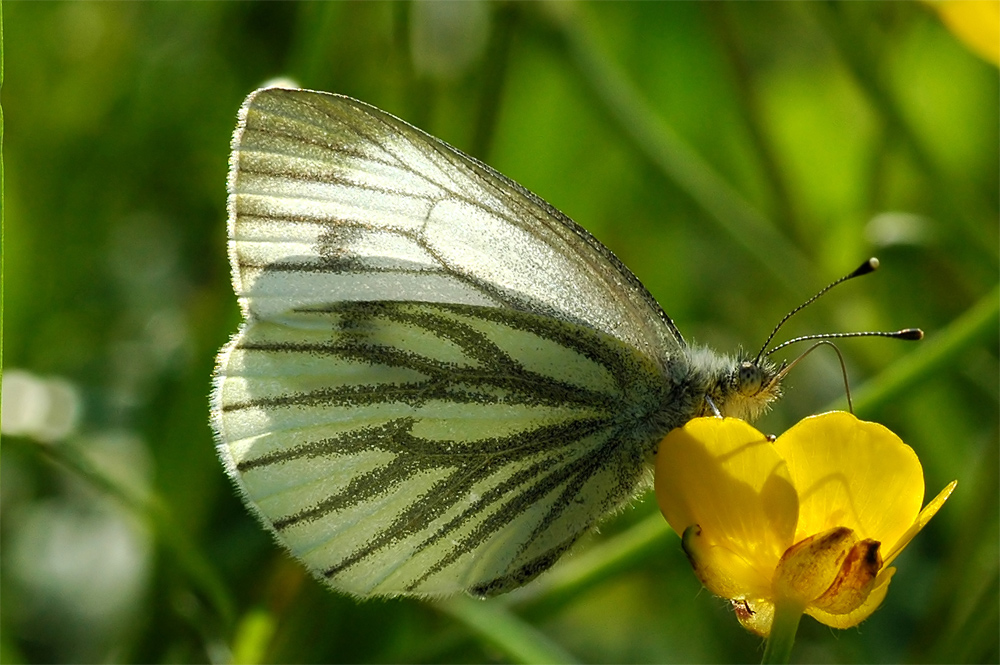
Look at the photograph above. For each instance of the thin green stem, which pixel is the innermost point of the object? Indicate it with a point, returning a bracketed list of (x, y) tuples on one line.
[(308, 59), (1, 194), (782, 639)]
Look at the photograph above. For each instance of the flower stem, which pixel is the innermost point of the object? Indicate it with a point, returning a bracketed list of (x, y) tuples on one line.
[(783, 629)]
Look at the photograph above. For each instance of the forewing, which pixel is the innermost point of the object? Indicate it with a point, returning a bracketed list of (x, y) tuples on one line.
[(334, 200)]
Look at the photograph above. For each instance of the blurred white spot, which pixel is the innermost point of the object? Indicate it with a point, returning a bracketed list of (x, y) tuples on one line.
[(77, 564), (42, 409), (446, 38), (84, 567), (899, 228), (280, 82)]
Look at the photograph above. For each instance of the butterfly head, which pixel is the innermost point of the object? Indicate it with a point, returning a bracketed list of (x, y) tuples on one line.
[(747, 388)]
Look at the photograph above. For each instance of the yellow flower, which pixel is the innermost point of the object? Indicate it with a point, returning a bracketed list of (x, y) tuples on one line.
[(975, 22), (812, 519)]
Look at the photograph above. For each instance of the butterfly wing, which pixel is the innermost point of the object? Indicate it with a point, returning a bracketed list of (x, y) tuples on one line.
[(333, 198), (441, 382)]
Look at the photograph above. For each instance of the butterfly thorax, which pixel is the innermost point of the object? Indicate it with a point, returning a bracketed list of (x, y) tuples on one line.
[(738, 387)]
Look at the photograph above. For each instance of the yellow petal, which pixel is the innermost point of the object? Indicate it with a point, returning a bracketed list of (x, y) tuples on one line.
[(726, 477), (724, 572), (855, 617), (922, 519), (852, 473)]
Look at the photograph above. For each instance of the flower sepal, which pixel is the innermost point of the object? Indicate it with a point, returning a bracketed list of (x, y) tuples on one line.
[(834, 571)]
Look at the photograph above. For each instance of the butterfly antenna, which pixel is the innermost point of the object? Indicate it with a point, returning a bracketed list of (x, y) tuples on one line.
[(824, 338), (843, 368), (912, 334), (868, 266)]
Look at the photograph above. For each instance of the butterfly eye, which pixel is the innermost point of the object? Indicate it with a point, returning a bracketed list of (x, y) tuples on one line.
[(749, 378)]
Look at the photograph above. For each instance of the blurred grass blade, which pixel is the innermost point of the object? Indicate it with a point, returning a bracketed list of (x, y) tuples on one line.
[(253, 636), (494, 78), (504, 630), (939, 351), (677, 160), (307, 60), (595, 565), (1, 194), (748, 95)]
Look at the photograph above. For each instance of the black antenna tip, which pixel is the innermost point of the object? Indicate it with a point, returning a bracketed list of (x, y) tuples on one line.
[(910, 334), (871, 265)]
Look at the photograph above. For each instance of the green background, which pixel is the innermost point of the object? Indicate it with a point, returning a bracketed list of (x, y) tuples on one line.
[(736, 156)]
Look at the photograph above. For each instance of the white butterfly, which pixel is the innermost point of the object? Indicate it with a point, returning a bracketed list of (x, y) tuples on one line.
[(442, 382)]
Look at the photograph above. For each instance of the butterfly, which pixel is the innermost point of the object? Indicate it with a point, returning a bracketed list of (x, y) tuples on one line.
[(441, 381)]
